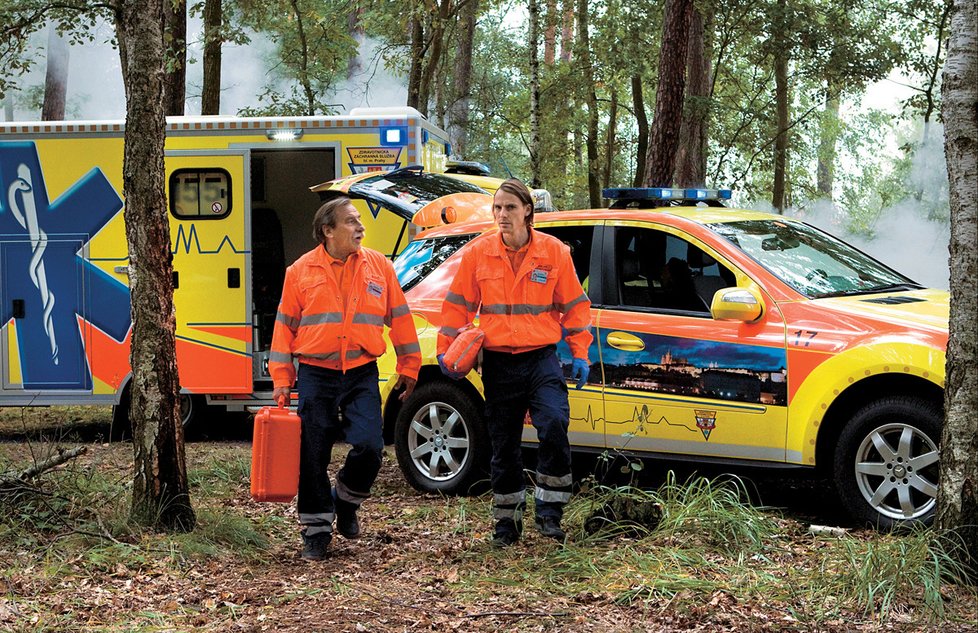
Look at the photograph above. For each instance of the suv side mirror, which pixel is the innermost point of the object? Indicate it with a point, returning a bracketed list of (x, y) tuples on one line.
[(737, 304)]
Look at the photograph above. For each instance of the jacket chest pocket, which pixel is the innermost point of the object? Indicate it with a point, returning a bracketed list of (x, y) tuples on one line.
[(492, 284), (374, 293), (316, 290)]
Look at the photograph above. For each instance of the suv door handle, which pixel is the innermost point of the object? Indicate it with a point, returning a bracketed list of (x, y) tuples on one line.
[(625, 341)]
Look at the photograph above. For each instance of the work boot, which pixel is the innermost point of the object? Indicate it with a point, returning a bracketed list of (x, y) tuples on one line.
[(346, 517), (550, 527), (506, 534), (314, 547)]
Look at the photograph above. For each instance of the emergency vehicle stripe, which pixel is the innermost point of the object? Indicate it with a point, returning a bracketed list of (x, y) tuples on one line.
[(279, 357), (321, 318), (551, 496), (565, 307), (516, 308), (368, 319), (555, 482), (289, 321), (407, 349), (459, 300)]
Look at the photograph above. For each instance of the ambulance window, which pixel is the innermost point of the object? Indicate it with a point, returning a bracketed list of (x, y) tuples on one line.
[(198, 194)]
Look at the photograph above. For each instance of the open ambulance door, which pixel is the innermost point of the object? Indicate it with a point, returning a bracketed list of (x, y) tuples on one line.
[(208, 212)]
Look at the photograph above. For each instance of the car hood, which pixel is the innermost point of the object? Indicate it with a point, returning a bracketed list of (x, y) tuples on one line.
[(927, 308)]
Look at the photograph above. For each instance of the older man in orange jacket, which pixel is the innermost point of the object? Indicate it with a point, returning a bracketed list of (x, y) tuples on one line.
[(523, 285), (335, 303)]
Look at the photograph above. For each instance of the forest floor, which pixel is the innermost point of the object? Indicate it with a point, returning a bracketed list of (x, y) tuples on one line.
[(72, 562)]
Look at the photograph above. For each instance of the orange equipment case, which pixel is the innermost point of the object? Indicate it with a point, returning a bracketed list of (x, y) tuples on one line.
[(275, 454)]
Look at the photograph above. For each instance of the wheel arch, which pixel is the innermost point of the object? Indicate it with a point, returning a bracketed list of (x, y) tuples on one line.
[(428, 373)]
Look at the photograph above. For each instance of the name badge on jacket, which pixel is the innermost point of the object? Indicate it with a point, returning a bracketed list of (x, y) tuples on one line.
[(374, 288), (538, 276)]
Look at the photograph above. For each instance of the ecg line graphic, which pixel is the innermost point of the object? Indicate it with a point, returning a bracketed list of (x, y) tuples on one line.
[(642, 417), (26, 216)]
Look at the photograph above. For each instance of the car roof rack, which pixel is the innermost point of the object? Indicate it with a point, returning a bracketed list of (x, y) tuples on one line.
[(655, 197)]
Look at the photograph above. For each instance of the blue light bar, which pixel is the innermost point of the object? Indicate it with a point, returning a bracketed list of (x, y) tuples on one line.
[(665, 193)]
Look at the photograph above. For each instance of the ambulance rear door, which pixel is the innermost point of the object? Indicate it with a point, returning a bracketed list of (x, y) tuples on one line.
[(209, 222)]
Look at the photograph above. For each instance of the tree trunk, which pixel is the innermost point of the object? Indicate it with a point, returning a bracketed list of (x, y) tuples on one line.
[(584, 49), (567, 32), (438, 22), (210, 99), (550, 33), (781, 99), (664, 140), (828, 135), (611, 148), (417, 60), (160, 493), (304, 79), (957, 497), (458, 113), (691, 157), (642, 122), (533, 45), (355, 66), (175, 56), (56, 77)]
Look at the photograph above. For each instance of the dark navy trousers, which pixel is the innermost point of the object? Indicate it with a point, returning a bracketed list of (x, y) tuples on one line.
[(514, 384), (335, 407)]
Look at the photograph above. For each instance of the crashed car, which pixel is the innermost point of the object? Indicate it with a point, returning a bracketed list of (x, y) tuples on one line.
[(721, 335)]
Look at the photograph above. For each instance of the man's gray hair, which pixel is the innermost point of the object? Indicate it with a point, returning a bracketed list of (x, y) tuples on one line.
[(326, 216)]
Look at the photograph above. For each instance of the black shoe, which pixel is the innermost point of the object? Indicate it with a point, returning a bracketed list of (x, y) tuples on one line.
[(550, 527), (314, 547), (506, 534), (346, 518)]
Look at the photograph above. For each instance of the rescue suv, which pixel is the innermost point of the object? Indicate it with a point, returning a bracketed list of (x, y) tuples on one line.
[(722, 336)]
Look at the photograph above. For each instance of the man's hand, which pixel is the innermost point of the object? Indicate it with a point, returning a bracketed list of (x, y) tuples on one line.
[(454, 375), (282, 395), (408, 384), (579, 372)]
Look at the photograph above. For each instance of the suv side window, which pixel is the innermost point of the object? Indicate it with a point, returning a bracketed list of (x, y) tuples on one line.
[(579, 239), (657, 271)]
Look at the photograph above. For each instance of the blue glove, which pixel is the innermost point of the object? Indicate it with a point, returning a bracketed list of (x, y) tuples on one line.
[(454, 375), (579, 372)]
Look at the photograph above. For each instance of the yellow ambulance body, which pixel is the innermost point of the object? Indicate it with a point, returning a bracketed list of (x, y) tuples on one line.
[(240, 211)]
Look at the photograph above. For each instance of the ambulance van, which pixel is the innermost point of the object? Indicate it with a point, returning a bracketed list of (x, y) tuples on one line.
[(240, 211)]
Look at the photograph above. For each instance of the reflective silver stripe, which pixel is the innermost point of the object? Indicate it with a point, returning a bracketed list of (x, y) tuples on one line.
[(505, 513), (313, 530), (450, 332), (555, 482), (509, 498), (321, 317), (576, 330), (516, 308), (314, 519), (410, 348), (565, 307), (400, 311), (459, 300), (552, 496), (289, 321), (368, 319), (350, 496), (279, 357), (350, 355)]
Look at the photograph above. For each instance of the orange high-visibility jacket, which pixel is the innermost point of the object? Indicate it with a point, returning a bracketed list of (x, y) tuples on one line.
[(313, 325), (518, 311)]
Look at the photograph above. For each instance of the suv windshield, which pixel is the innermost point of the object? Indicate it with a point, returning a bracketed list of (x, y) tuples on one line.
[(810, 261), (406, 191), (420, 257)]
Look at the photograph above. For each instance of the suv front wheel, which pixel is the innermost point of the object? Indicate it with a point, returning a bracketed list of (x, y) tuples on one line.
[(886, 464), (440, 439)]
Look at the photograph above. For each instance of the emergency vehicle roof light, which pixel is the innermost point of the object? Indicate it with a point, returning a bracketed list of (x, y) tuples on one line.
[(284, 134), (663, 196)]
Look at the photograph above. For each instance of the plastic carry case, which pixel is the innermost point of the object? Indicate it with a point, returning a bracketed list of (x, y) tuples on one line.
[(275, 454)]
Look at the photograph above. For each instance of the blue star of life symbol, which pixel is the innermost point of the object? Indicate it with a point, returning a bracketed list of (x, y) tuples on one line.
[(45, 282)]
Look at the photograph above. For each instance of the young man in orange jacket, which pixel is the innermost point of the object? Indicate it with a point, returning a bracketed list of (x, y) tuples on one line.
[(524, 287), (336, 300)]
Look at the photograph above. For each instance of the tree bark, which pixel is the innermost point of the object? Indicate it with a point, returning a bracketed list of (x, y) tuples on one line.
[(567, 32), (438, 22), (175, 60), (664, 140), (691, 155), (56, 77), (533, 46), (550, 33), (584, 51), (642, 123), (828, 135), (210, 99), (417, 60), (611, 147), (160, 492), (458, 113), (957, 497), (781, 100)]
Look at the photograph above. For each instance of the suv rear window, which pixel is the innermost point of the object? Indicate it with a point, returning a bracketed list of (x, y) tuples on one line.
[(421, 257), (405, 192)]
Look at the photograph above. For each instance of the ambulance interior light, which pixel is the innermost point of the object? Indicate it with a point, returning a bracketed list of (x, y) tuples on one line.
[(284, 134)]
